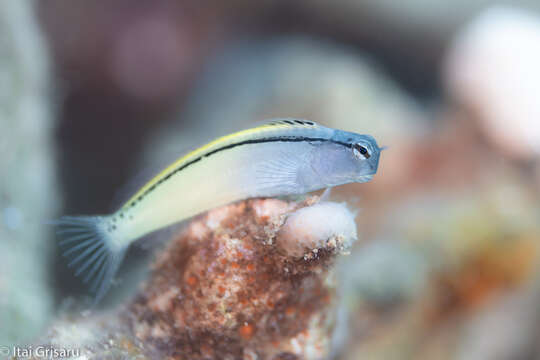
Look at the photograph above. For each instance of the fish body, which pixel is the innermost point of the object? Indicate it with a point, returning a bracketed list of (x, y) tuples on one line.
[(284, 157)]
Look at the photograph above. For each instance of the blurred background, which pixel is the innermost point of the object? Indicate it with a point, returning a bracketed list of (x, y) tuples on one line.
[(94, 94)]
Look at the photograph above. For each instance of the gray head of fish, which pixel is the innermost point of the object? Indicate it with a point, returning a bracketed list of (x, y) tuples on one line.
[(347, 158)]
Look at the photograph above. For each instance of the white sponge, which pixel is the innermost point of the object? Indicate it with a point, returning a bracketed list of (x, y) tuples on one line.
[(324, 225)]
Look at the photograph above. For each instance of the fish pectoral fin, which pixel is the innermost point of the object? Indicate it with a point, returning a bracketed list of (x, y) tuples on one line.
[(278, 175)]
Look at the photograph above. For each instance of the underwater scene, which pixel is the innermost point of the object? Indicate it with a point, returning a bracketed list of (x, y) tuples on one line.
[(271, 180)]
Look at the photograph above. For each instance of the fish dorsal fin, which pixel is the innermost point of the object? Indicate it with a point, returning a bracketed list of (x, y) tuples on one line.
[(290, 122)]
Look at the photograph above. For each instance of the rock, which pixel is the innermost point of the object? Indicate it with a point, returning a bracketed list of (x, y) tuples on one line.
[(383, 273), (225, 288)]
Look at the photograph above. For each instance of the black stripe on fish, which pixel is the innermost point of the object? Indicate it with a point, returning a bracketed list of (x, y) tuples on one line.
[(227, 147)]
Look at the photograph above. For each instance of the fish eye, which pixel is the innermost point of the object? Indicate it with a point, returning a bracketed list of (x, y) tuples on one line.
[(360, 151)]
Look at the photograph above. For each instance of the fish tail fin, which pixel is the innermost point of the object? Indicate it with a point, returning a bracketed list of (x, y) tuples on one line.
[(92, 249)]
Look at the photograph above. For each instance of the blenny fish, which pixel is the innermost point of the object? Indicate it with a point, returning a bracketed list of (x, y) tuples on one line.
[(283, 157)]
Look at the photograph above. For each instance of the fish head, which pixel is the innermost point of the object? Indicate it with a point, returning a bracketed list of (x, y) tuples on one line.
[(345, 159)]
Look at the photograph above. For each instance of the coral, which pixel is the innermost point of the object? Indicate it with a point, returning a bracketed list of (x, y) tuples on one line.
[(28, 190), (230, 287), (444, 273)]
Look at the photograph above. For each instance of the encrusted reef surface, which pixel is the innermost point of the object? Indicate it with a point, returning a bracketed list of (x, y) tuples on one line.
[(233, 286), (229, 288)]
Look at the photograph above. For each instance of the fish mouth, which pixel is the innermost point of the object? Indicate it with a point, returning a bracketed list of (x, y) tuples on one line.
[(364, 178)]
